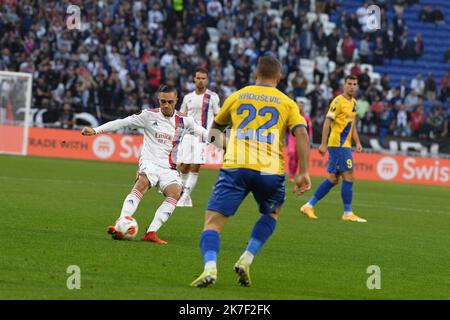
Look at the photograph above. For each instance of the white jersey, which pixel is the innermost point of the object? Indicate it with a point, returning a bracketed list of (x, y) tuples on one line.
[(201, 107), (161, 134)]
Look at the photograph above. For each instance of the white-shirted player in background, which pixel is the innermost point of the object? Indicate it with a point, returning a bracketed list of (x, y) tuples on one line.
[(163, 128), (202, 105)]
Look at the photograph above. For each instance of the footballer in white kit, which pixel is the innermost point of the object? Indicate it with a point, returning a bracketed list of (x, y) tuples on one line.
[(163, 129), (202, 105)]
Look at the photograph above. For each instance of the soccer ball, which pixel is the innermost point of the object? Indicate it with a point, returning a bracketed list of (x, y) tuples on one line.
[(127, 226)]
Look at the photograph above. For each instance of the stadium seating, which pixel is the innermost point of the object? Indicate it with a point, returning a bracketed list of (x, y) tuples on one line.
[(155, 65), (435, 39)]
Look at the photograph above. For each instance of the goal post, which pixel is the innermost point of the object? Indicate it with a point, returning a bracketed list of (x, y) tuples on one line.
[(15, 111)]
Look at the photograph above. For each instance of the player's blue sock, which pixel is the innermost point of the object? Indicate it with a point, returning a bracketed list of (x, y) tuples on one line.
[(347, 194), (321, 191), (261, 232), (210, 245)]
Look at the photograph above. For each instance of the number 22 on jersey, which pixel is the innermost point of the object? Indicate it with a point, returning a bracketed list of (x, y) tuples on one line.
[(261, 131)]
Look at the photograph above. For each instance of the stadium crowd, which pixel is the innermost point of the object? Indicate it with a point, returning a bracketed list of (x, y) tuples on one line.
[(126, 49)]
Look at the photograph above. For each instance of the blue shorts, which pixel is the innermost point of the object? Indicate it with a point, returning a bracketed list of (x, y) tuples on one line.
[(233, 185), (340, 160)]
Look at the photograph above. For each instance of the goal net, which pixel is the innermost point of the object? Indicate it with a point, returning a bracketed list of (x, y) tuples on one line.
[(15, 111)]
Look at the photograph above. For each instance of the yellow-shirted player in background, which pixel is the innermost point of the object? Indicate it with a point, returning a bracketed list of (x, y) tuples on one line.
[(341, 120), (259, 116)]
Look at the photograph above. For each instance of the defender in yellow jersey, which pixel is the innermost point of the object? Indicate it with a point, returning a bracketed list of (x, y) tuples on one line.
[(342, 114), (253, 162), (260, 115), (340, 120)]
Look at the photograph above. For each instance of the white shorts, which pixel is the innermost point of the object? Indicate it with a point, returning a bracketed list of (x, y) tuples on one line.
[(192, 150), (159, 177)]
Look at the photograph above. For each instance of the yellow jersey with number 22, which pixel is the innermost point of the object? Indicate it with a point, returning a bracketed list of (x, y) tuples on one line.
[(259, 116)]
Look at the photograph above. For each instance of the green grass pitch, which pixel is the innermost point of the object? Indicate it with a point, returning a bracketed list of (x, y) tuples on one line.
[(54, 213)]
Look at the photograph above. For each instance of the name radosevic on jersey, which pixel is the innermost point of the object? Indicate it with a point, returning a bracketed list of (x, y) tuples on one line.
[(201, 107), (161, 134)]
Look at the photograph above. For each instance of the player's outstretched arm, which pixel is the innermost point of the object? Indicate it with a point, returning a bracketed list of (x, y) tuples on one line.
[(302, 181), (134, 121)]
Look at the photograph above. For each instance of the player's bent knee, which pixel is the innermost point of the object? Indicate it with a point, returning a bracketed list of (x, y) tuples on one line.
[(173, 191), (174, 195), (275, 215), (214, 221), (348, 177), (334, 180), (142, 184)]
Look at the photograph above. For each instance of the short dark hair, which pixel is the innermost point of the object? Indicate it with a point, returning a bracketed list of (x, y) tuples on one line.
[(201, 70), (350, 77), (268, 67), (167, 88)]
